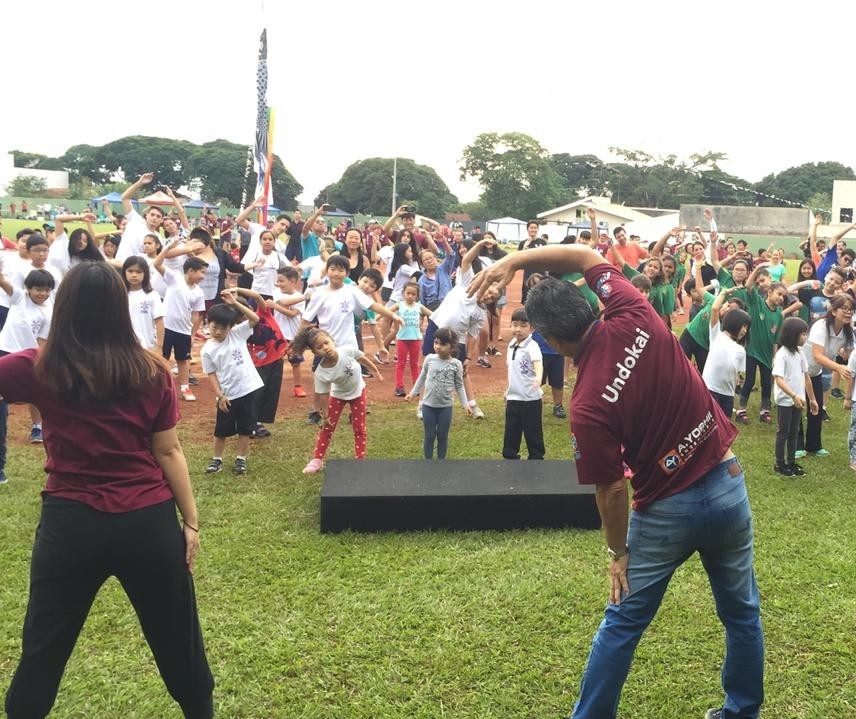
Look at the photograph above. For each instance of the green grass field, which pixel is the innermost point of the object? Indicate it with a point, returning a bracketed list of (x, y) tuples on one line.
[(435, 624)]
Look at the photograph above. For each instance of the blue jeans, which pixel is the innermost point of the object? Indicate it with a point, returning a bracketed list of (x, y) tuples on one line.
[(712, 518), (436, 421)]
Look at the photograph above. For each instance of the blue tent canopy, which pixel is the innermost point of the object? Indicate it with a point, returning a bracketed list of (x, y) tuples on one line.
[(110, 197), (200, 205), (271, 208)]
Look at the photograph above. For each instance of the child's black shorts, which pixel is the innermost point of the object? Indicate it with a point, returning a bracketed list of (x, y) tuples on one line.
[(240, 419)]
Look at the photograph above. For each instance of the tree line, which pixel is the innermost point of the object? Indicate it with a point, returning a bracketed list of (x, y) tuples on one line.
[(213, 169), (518, 176)]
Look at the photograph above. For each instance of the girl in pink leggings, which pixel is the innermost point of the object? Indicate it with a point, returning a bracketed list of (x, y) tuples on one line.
[(338, 381)]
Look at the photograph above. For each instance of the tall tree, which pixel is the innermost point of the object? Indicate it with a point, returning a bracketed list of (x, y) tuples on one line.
[(81, 162), (34, 160), (137, 154), (366, 187), (516, 173), (581, 174), (798, 184)]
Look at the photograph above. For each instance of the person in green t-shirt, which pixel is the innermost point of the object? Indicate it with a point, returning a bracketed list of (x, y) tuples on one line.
[(766, 314), (662, 294)]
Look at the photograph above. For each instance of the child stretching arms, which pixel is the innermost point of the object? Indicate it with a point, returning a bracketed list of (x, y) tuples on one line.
[(408, 341), (234, 379), (726, 357), (790, 372), (441, 375), (338, 381)]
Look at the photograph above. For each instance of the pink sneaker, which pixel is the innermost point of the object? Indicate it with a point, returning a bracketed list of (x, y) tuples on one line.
[(314, 466)]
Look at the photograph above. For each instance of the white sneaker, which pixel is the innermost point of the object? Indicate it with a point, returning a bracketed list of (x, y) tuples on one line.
[(188, 396), (477, 412), (419, 411)]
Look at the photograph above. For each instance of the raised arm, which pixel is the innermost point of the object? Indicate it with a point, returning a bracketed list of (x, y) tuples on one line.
[(60, 220), (243, 219), (182, 215), (556, 258), (842, 233), (712, 253), (750, 281), (310, 222), (812, 239), (387, 228), (127, 195), (717, 304), (657, 249), (471, 254), (229, 298), (108, 213)]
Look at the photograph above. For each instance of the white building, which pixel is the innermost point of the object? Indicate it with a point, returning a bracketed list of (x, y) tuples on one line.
[(649, 223), (56, 181)]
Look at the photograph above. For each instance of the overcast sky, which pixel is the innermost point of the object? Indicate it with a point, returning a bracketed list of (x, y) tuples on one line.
[(768, 83)]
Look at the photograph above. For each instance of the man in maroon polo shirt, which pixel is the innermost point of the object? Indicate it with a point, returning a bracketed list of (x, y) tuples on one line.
[(637, 400)]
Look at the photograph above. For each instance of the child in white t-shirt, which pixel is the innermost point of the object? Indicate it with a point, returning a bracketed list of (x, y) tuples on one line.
[(144, 304), (523, 396), (792, 384), (726, 357), (184, 304), (26, 327), (338, 381), (287, 313), (267, 263), (227, 362)]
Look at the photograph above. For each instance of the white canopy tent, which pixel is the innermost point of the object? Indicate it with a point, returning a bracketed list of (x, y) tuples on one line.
[(507, 229)]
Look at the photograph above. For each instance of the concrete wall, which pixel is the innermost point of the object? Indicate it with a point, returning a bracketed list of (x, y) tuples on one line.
[(843, 196), (54, 179), (732, 220)]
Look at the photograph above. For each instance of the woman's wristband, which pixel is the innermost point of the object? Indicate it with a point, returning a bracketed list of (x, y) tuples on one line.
[(195, 529)]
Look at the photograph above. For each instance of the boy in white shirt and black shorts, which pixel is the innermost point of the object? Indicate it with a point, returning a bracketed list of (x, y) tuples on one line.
[(523, 396), (227, 362)]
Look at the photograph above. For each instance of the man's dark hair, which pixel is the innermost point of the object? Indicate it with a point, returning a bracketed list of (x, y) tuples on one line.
[(223, 315), (569, 240), (849, 253), (26, 232), (585, 235), (281, 217), (558, 309), (616, 230)]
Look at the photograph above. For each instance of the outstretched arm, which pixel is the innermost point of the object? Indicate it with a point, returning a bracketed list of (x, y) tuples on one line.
[(387, 227), (310, 223), (127, 195), (229, 298), (243, 219)]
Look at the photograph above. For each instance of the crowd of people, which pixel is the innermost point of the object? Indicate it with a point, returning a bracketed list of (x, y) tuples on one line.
[(254, 297)]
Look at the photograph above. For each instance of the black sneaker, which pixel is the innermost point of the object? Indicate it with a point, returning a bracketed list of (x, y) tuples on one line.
[(837, 393), (797, 471), (399, 392), (314, 417), (193, 380), (559, 412), (366, 373), (260, 432), (214, 466), (783, 469), (713, 714), (824, 415), (482, 362), (240, 466)]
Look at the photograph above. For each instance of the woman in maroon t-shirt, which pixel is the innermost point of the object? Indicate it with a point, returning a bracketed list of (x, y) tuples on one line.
[(116, 473)]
